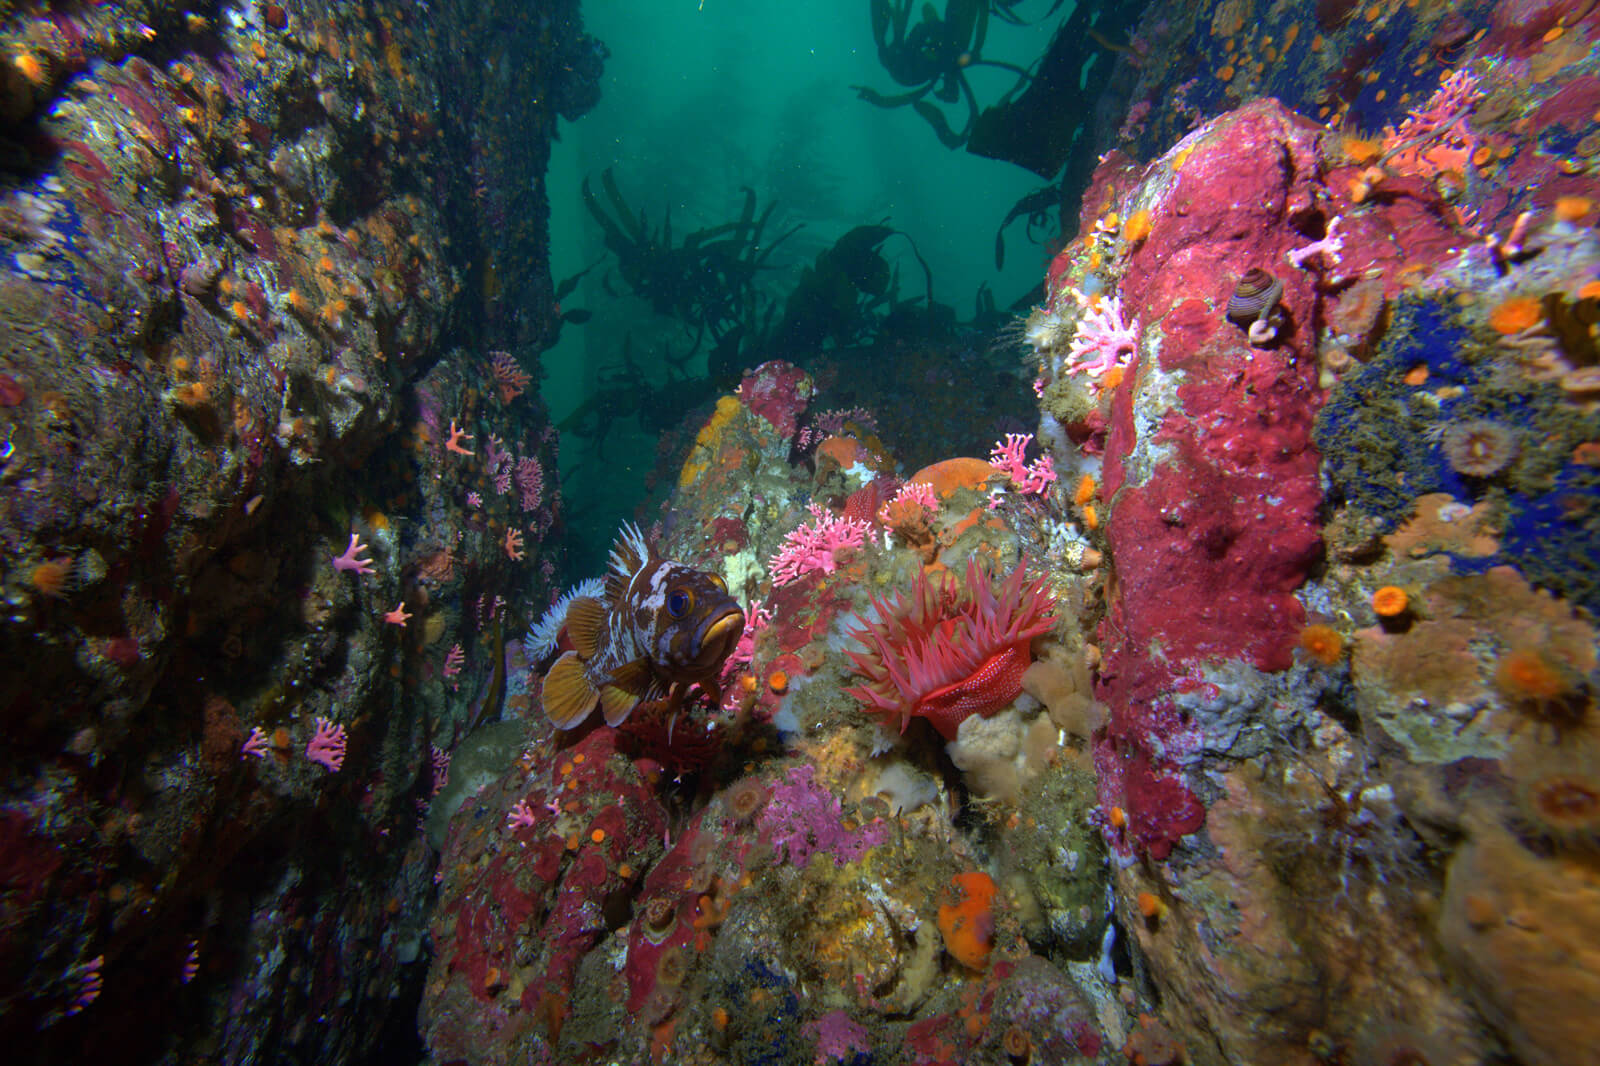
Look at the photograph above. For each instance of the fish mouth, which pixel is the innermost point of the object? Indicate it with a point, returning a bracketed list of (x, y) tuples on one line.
[(721, 636)]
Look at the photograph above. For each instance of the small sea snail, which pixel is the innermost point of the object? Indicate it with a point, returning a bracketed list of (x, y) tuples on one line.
[(1254, 305)]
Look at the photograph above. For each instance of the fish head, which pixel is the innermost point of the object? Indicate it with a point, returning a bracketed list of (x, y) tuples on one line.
[(695, 623)]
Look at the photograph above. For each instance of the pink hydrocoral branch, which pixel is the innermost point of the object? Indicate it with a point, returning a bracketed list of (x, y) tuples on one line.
[(439, 764), (1441, 122), (327, 744), (913, 494), (508, 377), (1041, 474), (1010, 455), (521, 816), (255, 745), (495, 456), (815, 547), (458, 437), (1330, 245), (530, 480), (1455, 95), (757, 618), (1103, 341), (351, 559)]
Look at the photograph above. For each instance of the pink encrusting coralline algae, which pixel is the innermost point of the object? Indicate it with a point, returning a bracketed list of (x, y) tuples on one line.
[(804, 818)]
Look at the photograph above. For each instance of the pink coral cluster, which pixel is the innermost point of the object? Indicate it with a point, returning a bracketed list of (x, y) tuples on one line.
[(530, 481), (1436, 135), (521, 816), (1104, 341), (815, 547), (509, 378), (256, 745), (327, 745), (1010, 456), (1448, 106), (498, 462), (913, 494)]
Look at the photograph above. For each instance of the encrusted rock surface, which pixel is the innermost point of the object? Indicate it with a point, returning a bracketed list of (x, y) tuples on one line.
[(232, 334)]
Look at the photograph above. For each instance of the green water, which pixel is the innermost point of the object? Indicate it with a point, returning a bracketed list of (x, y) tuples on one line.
[(698, 103)]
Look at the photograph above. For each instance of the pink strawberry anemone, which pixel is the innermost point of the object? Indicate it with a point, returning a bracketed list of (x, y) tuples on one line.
[(948, 652)]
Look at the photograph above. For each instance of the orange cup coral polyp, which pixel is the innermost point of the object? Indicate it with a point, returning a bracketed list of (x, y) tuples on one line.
[(967, 921), (1526, 674), (1565, 805), (1390, 601), (1546, 690), (946, 653), (1322, 643)]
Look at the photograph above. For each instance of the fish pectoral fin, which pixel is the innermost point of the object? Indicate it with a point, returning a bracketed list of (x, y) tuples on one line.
[(616, 704), (568, 697), (586, 625), (635, 677)]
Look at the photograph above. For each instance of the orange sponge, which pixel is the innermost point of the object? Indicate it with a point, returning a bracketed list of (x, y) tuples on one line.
[(967, 922)]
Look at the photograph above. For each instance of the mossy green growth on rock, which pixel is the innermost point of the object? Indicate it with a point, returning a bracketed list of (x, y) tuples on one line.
[(1068, 400), (1059, 856)]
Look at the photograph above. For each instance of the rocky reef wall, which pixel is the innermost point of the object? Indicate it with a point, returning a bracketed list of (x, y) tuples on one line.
[(272, 491), (1304, 764)]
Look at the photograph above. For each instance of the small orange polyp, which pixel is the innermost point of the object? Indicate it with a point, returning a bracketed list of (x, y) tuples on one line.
[(1390, 601)]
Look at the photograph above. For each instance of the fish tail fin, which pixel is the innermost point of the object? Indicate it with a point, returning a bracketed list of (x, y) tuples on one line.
[(568, 696)]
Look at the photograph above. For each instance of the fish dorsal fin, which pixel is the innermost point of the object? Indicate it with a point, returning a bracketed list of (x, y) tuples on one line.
[(568, 696), (616, 704), (586, 625), (628, 555)]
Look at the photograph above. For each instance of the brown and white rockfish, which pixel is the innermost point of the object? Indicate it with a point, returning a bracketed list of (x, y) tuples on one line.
[(660, 627)]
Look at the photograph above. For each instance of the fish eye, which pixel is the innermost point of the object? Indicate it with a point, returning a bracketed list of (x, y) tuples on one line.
[(679, 601)]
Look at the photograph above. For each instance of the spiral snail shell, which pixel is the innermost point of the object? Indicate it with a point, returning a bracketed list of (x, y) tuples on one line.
[(1254, 298)]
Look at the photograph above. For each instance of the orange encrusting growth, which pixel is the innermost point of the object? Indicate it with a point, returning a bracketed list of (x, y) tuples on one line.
[(1515, 315), (1137, 228), (967, 922), (1151, 906)]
